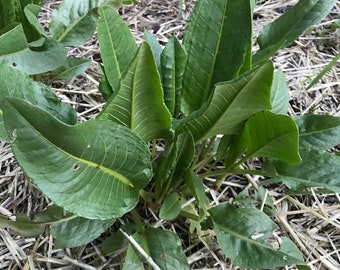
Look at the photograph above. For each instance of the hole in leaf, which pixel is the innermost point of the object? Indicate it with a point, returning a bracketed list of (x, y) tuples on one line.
[(14, 64), (76, 167)]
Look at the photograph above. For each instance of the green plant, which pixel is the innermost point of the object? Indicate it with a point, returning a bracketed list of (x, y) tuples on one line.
[(210, 101)]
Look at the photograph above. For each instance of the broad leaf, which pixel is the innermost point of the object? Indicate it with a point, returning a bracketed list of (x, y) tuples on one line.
[(117, 45), (14, 83), (72, 68), (320, 132), (48, 57), (171, 207), (13, 40), (139, 102), (217, 41), (271, 135), (318, 169), (102, 164), (284, 30), (243, 233), (74, 22), (279, 96), (164, 247), (232, 103), (173, 62)]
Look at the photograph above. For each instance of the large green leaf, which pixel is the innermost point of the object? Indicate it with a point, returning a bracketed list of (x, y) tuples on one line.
[(74, 22), (217, 41), (117, 45), (232, 103), (243, 233), (13, 40), (139, 102), (164, 247), (284, 30), (173, 62), (318, 169), (46, 58), (279, 96), (94, 169), (271, 135), (320, 132), (14, 83)]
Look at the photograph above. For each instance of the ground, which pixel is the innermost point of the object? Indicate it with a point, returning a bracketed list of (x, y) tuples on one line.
[(311, 220)]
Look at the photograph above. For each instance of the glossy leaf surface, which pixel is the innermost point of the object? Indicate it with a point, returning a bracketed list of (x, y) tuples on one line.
[(139, 102), (242, 233), (217, 49), (117, 45), (102, 164), (231, 104)]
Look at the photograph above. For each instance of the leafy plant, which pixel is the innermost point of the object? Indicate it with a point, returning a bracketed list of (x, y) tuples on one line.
[(208, 99)]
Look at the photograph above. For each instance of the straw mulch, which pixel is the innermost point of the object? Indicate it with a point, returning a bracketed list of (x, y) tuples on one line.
[(311, 220)]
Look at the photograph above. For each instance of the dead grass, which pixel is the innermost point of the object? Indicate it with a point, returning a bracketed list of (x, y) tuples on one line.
[(311, 220)]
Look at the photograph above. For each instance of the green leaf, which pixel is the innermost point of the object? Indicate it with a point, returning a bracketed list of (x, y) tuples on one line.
[(74, 22), (279, 96), (139, 102), (320, 132), (318, 169), (50, 56), (232, 103), (117, 45), (171, 207), (155, 47), (13, 40), (72, 68), (173, 62), (31, 12), (242, 234), (22, 225), (104, 85), (101, 164), (271, 135), (288, 27), (217, 41), (78, 231), (164, 247), (175, 162), (14, 83)]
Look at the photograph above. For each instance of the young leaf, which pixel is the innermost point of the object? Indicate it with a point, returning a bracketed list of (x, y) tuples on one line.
[(242, 234), (72, 68), (14, 83), (139, 102), (271, 135), (320, 132), (284, 30), (318, 169), (171, 207), (164, 247), (117, 45), (232, 103), (217, 41), (279, 96), (155, 47), (173, 62), (102, 164), (74, 22)]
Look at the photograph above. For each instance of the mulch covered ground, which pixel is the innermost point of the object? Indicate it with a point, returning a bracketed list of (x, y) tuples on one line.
[(311, 220)]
